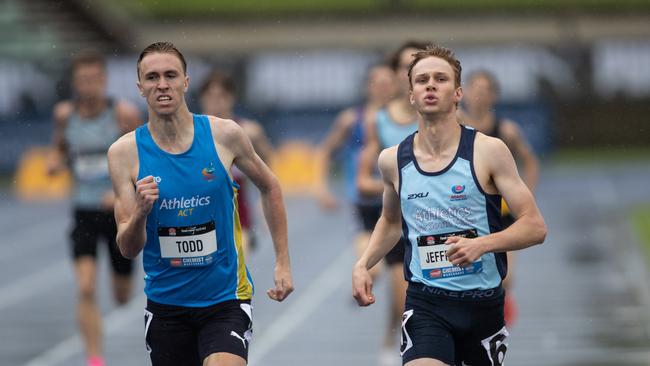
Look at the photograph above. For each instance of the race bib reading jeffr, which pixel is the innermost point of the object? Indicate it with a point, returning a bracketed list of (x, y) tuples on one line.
[(433, 256)]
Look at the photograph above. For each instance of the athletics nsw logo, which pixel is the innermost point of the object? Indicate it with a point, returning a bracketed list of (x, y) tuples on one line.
[(457, 191), (208, 173)]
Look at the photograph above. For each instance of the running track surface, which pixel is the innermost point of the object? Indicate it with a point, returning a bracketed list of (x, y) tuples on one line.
[(583, 295)]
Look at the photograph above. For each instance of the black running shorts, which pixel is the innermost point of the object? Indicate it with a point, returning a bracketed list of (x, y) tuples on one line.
[(466, 328), (90, 226), (184, 336), (368, 215)]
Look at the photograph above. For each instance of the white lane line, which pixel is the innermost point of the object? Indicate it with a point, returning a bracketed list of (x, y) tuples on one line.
[(310, 299), (34, 284), (115, 320)]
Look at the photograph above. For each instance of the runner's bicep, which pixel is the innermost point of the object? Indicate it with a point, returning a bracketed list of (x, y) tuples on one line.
[(391, 209), (391, 202), (508, 182), (119, 168), (253, 166)]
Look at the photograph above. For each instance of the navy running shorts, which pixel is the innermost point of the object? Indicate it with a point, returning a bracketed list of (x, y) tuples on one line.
[(457, 328)]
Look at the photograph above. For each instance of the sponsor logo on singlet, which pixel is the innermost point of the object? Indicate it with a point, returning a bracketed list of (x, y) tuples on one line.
[(457, 191), (412, 196), (208, 173)]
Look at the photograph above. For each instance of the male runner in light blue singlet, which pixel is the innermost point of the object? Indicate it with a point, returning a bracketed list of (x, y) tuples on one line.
[(176, 202), (385, 128), (84, 128), (442, 190), (347, 135)]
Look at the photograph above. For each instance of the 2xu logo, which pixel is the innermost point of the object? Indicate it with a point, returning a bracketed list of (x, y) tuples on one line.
[(417, 195)]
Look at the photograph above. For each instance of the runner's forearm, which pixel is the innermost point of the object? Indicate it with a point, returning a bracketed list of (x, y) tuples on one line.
[(131, 236), (276, 219), (384, 237)]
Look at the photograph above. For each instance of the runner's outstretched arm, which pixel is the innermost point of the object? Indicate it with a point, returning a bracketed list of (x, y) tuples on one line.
[(233, 137)]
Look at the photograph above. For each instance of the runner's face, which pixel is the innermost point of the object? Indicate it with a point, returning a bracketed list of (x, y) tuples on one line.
[(479, 94), (434, 90), (89, 81), (405, 59), (216, 101), (163, 82), (381, 85)]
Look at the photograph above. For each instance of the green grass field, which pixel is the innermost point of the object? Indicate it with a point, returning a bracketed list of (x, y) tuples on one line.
[(597, 155), (641, 220), (220, 8)]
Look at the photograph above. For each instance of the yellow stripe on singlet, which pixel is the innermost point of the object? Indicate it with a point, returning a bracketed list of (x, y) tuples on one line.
[(505, 210), (244, 287)]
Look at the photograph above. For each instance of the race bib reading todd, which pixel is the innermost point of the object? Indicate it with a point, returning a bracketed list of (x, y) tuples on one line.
[(188, 246), (433, 256)]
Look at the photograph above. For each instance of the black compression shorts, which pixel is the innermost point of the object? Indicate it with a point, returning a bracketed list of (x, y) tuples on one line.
[(466, 328)]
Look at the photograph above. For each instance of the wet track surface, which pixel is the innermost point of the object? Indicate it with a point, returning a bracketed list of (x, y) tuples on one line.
[(582, 296)]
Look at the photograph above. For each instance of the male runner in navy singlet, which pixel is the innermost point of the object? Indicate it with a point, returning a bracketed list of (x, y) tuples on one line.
[(175, 202), (442, 190)]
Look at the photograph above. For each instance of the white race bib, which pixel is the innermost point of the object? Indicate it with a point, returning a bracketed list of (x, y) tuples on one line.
[(433, 256), (188, 246)]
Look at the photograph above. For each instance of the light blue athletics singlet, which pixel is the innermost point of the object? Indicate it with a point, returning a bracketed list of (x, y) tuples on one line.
[(436, 205), (193, 255), (350, 155), (391, 133), (88, 140)]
